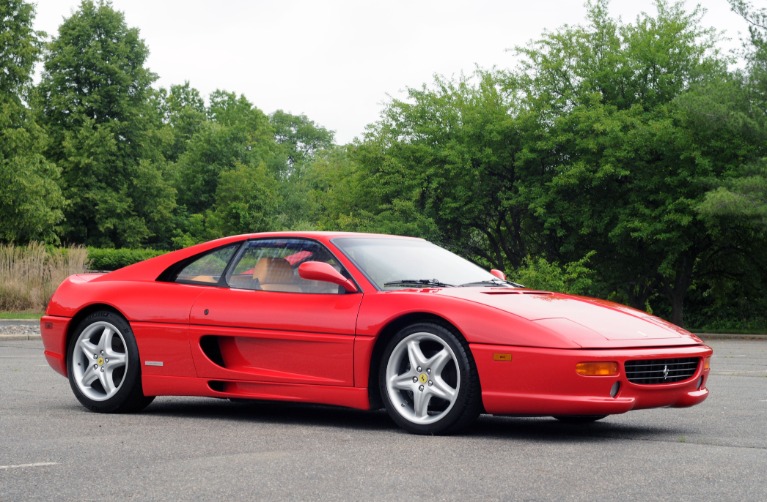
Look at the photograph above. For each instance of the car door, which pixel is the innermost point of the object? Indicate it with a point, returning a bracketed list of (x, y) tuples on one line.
[(263, 323)]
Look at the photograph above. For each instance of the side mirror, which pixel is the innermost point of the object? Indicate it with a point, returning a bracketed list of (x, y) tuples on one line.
[(320, 271), (498, 274)]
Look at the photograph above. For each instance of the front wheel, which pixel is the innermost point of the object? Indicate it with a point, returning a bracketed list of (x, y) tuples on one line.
[(103, 365), (428, 380)]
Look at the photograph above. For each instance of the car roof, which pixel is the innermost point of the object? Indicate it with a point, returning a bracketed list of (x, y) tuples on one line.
[(152, 268), (323, 234)]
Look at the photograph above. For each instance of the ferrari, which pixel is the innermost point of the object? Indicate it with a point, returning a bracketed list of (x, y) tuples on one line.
[(364, 321)]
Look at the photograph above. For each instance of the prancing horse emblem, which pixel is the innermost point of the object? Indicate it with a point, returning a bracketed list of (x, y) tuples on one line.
[(665, 371)]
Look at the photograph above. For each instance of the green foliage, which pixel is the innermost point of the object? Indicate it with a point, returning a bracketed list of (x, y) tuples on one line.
[(20, 47), (94, 100), (623, 160), (340, 195), (95, 70), (757, 19), (213, 150), (247, 199), (741, 199), (180, 113), (30, 197), (574, 277), (607, 138), (236, 133), (301, 138), (444, 159), (102, 259), (226, 178)]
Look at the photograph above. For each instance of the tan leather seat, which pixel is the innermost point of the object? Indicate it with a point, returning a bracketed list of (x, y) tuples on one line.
[(275, 274), (204, 278)]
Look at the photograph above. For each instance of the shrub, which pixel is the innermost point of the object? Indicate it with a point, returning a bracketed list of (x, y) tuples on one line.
[(29, 275), (108, 259), (538, 273)]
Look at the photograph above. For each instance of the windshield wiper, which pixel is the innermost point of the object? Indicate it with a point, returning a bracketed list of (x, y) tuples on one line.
[(492, 283), (418, 282)]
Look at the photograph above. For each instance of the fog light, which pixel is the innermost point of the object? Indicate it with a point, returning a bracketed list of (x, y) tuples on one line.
[(597, 369)]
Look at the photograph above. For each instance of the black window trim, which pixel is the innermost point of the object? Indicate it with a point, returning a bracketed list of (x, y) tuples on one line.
[(170, 274), (247, 243)]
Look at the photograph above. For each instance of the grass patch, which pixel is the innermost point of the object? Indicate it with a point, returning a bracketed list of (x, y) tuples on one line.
[(26, 315)]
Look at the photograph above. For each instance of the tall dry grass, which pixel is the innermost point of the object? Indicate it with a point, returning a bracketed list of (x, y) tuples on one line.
[(30, 274)]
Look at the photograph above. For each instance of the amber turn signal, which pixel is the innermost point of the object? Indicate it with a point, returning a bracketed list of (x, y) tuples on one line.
[(707, 364), (602, 368)]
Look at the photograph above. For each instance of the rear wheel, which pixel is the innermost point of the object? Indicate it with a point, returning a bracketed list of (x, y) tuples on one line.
[(428, 380), (103, 365)]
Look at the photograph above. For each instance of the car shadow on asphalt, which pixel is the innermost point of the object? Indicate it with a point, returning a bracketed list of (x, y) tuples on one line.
[(550, 429), (487, 426), (270, 412)]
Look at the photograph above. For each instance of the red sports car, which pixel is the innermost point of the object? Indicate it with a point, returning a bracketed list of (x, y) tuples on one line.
[(362, 321)]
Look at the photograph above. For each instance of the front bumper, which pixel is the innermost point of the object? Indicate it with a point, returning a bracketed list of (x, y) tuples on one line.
[(539, 381)]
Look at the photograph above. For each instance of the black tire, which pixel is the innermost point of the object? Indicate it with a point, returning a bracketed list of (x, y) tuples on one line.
[(579, 419), (103, 365), (428, 380)]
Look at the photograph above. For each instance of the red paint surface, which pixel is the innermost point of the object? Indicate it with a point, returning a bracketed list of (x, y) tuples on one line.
[(319, 347)]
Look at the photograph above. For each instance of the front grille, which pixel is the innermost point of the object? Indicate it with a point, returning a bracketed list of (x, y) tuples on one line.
[(660, 371)]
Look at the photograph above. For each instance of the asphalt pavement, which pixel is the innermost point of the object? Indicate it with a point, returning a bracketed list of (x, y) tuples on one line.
[(181, 448)]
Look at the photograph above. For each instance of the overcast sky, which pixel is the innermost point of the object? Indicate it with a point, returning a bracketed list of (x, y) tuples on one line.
[(338, 61)]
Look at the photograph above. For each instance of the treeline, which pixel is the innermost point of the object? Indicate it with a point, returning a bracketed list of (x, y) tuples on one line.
[(621, 160)]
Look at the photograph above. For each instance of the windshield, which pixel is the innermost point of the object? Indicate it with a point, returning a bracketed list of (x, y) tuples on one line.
[(398, 263)]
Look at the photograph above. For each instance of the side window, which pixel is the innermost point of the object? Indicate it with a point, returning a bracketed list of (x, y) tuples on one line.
[(208, 268), (272, 265)]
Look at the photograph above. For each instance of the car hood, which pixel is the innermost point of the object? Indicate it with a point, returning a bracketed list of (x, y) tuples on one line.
[(587, 321)]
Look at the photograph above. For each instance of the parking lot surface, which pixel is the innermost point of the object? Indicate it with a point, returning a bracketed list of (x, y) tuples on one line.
[(51, 448)]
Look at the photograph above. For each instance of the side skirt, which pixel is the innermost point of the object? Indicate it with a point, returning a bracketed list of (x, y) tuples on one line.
[(350, 397)]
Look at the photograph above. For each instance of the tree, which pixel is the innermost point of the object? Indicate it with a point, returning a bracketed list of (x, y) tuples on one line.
[(757, 19), (595, 155), (247, 200), (444, 158), (94, 100), (236, 136), (20, 47), (235, 133), (300, 141), (301, 137), (180, 115), (30, 199), (732, 278), (622, 158), (746, 195)]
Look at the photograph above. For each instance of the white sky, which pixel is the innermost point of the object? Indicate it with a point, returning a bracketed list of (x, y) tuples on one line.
[(338, 61)]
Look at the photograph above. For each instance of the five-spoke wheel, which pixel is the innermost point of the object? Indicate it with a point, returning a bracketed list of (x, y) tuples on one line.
[(103, 364), (428, 380)]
